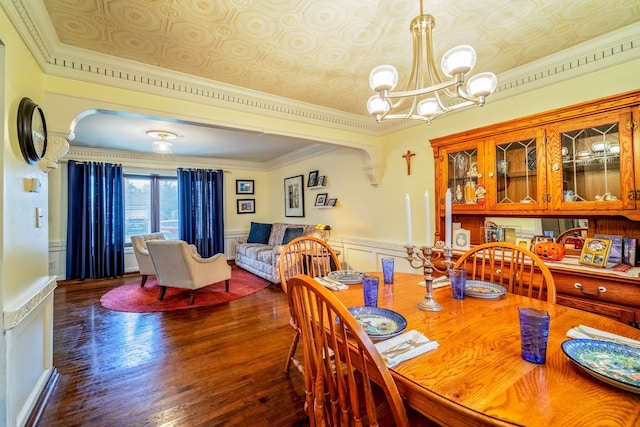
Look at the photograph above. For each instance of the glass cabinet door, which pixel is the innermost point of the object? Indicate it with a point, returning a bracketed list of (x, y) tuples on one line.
[(594, 166), (464, 173), (517, 171)]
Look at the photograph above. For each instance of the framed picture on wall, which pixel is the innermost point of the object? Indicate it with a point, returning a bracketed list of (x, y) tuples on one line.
[(313, 179), (321, 199), (294, 196), (244, 186), (245, 206)]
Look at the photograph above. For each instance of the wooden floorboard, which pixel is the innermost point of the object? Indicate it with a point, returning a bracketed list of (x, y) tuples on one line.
[(211, 366)]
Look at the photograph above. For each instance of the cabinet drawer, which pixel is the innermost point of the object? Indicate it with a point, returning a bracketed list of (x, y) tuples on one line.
[(597, 289), (622, 314)]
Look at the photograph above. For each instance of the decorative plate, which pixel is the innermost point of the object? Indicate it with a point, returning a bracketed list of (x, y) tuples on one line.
[(480, 289), (379, 323), (613, 363), (346, 276)]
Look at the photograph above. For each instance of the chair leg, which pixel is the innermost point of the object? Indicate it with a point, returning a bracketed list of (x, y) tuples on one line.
[(163, 289), (292, 351), (192, 297), (144, 280), (226, 285)]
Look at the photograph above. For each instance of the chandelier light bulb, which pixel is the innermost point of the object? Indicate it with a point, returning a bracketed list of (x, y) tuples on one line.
[(428, 107), (460, 59), (162, 147), (377, 105), (383, 77), (482, 84)]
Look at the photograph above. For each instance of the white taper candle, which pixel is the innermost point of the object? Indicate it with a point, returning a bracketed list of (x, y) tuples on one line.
[(408, 205), (447, 219), (427, 205)]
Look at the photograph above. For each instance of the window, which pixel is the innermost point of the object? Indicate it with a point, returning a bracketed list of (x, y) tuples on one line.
[(150, 205)]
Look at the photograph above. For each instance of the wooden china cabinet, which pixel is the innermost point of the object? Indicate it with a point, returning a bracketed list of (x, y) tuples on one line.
[(575, 162)]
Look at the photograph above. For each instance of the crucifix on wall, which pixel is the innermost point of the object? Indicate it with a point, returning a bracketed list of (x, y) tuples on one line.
[(407, 156)]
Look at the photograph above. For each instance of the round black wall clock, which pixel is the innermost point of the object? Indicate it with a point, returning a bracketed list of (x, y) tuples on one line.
[(32, 131)]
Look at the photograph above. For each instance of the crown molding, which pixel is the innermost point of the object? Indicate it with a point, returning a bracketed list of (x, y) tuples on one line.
[(172, 161)]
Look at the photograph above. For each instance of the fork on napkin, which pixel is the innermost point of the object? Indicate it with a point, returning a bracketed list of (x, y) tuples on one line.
[(331, 284), (582, 331), (404, 347)]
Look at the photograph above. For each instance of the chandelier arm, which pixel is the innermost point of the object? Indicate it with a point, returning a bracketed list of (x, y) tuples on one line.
[(422, 91), (464, 95)]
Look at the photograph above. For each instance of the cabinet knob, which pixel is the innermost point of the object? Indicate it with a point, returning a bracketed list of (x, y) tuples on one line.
[(479, 175), (490, 174), (600, 290), (556, 167)]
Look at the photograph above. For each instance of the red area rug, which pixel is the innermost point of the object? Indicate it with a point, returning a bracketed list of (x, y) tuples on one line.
[(135, 299)]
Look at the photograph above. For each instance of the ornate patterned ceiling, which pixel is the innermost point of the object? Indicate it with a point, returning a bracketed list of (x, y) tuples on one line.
[(321, 52)]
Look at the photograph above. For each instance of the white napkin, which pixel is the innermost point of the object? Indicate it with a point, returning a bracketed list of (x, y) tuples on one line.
[(331, 284), (582, 331), (424, 345), (440, 282)]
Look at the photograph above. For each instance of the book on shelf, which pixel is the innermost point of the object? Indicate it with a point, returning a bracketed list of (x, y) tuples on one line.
[(629, 246)]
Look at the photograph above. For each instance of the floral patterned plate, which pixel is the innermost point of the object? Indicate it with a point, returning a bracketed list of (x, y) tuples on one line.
[(379, 323), (613, 363), (348, 277), (480, 289)]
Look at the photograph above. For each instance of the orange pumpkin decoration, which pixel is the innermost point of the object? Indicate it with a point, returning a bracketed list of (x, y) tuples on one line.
[(549, 251)]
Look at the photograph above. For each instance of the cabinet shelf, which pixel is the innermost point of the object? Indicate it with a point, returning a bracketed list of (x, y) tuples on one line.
[(316, 187)]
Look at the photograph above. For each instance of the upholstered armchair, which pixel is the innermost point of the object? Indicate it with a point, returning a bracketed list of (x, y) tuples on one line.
[(139, 244), (178, 266)]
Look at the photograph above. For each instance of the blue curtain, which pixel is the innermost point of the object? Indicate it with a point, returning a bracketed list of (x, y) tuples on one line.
[(201, 209), (95, 234)]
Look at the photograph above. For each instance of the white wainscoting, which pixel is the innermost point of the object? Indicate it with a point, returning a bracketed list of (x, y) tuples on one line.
[(58, 254), (355, 254), (365, 255), (29, 336)]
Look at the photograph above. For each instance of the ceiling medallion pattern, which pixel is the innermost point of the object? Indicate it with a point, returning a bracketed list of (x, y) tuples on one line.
[(273, 46)]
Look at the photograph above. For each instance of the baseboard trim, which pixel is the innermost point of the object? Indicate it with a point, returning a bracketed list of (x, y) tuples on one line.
[(38, 409)]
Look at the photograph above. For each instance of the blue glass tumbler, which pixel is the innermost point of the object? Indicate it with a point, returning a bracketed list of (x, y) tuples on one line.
[(458, 278), (534, 331), (370, 290), (387, 270)]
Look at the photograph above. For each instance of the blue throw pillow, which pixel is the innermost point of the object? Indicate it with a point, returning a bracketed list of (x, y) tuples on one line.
[(291, 233), (259, 233)]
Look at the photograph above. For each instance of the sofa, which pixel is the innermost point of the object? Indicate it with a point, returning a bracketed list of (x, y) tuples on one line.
[(260, 251)]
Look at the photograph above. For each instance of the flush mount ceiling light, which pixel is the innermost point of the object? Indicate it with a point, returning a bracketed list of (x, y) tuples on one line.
[(162, 146), (428, 94)]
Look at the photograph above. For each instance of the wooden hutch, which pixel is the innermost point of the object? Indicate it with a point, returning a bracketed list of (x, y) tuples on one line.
[(580, 161)]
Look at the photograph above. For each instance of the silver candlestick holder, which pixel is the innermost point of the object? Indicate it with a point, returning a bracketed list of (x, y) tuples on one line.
[(424, 258)]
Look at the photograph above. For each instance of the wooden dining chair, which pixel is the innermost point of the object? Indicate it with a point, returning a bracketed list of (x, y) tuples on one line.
[(304, 255), (514, 267), (341, 363)]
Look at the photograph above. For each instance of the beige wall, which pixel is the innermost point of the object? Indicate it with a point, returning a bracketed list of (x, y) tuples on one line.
[(363, 211), (26, 289), (378, 214)]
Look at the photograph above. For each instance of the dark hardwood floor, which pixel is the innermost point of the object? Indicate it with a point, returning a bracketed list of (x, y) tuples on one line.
[(214, 366)]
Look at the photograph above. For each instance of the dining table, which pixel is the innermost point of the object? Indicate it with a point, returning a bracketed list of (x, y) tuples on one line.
[(477, 376)]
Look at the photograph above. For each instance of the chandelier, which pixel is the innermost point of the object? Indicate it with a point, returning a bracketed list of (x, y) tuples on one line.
[(427, 94), (162, 146)]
